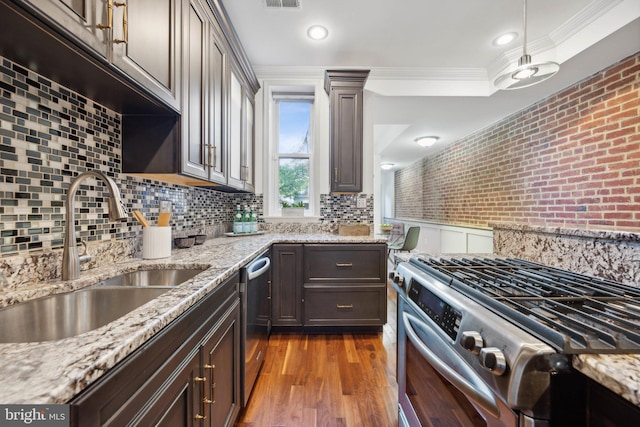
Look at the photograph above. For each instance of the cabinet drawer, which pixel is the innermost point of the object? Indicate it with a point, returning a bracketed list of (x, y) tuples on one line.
[(328, 306), (346, 263)]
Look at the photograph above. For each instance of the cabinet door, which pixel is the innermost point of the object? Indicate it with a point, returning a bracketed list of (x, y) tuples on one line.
[(193, 112), (248, 145), (235, 132), (222, 369), (286, 284), (86, 21), (179, 403), (216, 79), (146, 42), (346, 140)]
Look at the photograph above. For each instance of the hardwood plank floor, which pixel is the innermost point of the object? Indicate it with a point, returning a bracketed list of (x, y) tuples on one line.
[(341, 380)]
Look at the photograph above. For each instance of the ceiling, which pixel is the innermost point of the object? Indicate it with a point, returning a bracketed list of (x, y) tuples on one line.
[(433, 62)]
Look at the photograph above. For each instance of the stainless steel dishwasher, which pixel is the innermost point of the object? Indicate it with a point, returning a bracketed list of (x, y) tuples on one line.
[(255, 294)]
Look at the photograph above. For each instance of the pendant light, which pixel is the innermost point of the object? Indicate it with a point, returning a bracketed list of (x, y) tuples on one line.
[(527, 73)]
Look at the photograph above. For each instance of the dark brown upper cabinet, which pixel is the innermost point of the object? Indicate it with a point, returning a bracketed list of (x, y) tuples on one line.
[(166, 65), (211, 144), (204, 74), (141, 38), (345, 90)]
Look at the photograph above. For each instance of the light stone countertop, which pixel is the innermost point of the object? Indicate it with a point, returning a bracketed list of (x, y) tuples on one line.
[(619, 373), (55, 371)]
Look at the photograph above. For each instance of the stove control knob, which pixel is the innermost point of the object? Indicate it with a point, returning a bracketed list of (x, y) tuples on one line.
[(492, 359), (398, 280), (472, 341)]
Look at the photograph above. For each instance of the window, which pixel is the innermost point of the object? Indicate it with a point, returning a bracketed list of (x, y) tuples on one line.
[(294, 148)]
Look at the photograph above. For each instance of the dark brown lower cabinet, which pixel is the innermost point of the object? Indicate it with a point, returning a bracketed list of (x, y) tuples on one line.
[(186, 375), (286, 296), (329, 285), (607, 409)]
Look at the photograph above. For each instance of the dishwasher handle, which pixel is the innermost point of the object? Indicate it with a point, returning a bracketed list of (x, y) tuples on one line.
[(258, 268)]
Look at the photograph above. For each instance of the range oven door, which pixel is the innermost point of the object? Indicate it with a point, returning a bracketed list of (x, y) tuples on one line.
[(435, 385)]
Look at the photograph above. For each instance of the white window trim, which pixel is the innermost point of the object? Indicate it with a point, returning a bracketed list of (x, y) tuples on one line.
[(275, 96)]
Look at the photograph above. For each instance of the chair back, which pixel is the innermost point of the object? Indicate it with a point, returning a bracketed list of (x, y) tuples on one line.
[(411, 239), (396, 237)]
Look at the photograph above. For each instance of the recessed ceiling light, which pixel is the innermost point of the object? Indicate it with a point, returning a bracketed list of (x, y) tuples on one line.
[(505, 39), (427, 141), (317, 32), (387, 166)]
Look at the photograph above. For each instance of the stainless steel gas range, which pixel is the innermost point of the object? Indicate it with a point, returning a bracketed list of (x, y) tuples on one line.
[(485, 341)]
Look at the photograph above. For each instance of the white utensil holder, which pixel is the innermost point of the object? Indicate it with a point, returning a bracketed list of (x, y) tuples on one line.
[(156, 242)]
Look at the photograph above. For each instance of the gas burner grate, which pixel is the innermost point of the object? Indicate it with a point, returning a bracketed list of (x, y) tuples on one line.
[(572, 312)]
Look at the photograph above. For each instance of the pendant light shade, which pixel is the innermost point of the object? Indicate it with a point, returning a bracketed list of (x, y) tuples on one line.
[(527, 73)]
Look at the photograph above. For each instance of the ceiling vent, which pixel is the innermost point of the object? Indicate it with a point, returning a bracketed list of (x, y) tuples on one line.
[(283, 4)]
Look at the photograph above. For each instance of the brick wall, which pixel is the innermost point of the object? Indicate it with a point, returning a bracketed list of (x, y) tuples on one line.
[(572, 159)]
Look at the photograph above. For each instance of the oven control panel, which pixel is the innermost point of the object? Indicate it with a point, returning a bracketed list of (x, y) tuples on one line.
[(433, 306)]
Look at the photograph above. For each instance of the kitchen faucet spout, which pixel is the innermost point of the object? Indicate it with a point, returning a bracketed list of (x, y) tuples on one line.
[(117, 212)]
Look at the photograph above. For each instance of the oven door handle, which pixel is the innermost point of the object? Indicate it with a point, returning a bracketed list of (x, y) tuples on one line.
[(473, 387)]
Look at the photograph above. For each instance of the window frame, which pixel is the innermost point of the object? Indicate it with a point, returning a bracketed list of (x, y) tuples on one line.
[(274, 188)]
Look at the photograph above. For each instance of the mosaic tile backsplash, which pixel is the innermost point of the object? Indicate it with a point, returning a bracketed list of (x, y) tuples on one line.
[(49, 135)]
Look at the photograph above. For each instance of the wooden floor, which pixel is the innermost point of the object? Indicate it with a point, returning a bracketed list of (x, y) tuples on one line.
[(328, 380)]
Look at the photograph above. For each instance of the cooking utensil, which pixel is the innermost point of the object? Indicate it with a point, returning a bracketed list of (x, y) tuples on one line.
[(163, 219), (141, 219)]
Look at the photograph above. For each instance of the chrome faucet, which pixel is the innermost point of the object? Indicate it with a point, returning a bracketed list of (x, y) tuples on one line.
[(70, 258)]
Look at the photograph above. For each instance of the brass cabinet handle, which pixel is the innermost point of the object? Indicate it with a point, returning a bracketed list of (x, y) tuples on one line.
[(344, 264), (344, 306), (210, 164), (213, 383), (109, 23), (335, 175), (202, 416), (269, 284), (125, 28)]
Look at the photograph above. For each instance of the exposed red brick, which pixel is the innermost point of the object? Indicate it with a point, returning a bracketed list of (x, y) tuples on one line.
[(572, 158)]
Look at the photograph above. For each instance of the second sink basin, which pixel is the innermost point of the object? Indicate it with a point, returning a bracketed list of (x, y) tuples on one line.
[(67, 315), (162, 277)]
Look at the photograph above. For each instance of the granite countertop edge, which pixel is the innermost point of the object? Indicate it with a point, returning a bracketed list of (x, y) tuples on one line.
[(53, 372), (617, 234)]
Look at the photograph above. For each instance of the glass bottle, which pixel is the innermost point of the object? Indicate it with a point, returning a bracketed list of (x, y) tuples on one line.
[(237, 221), (254, 221), (246, 220)]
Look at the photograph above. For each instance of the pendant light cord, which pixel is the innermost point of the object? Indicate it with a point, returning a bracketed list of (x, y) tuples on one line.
[(524, 44)]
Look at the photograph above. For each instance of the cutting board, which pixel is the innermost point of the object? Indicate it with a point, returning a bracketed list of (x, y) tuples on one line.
[(354, 230)]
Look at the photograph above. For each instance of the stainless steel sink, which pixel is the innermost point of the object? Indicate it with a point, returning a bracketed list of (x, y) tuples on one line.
[(163, 277), (70, 314), (73, 313)]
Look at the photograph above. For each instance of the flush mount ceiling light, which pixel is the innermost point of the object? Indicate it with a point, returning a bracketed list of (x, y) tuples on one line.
[(317, 32), (426, 141), (527, 73), (387, 166)]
